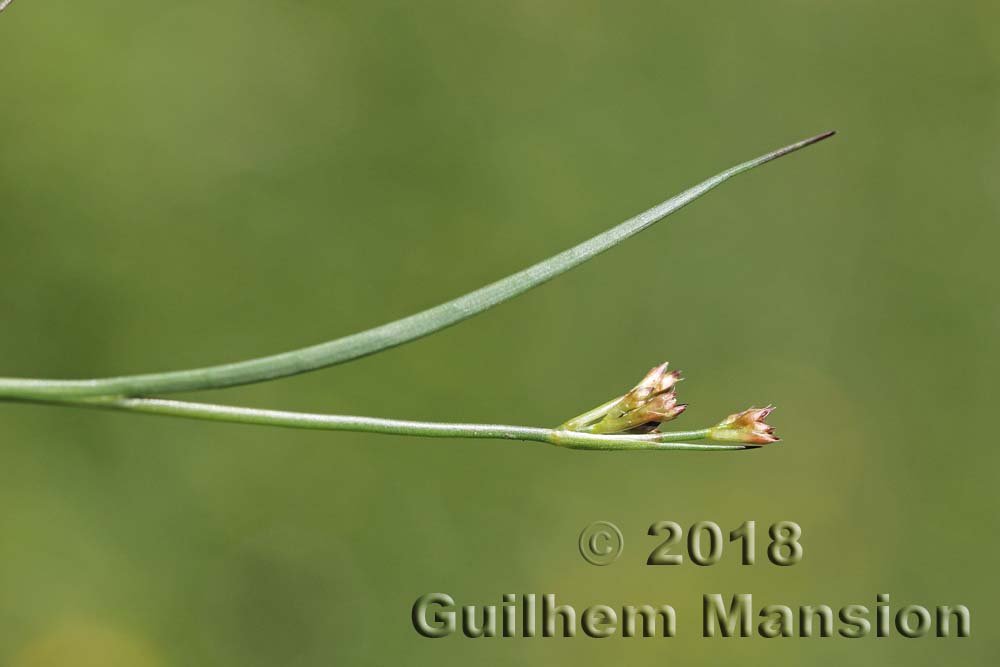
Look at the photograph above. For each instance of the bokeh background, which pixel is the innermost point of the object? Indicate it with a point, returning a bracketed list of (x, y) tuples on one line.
[(187, 183)]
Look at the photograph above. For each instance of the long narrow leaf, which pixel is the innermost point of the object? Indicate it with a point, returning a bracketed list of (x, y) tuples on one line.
[(388, 335)]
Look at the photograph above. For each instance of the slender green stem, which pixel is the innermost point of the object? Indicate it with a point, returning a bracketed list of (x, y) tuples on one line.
[(304, 420), (383, 337)]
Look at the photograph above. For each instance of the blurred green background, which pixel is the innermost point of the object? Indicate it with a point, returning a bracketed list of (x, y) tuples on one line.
[(187, 183)]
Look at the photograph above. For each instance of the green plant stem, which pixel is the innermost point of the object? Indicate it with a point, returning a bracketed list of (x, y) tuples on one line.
[(304, 420), (382, 337)]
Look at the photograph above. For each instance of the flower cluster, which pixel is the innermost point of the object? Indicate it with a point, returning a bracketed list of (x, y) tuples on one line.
[(647, 405), (747, 426), (653, 402)]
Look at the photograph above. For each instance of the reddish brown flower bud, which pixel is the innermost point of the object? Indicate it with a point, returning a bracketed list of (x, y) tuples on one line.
[(661, 408), (747, 426)]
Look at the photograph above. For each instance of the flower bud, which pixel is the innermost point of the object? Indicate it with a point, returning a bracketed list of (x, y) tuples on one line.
[(747, 426), (657, 381)]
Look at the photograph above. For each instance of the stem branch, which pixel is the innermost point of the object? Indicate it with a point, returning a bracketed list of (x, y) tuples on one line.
[(305, 420)]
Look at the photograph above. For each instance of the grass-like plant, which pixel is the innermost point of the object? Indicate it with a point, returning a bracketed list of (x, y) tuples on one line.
[(628, 422)]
